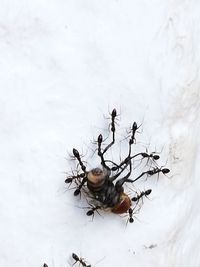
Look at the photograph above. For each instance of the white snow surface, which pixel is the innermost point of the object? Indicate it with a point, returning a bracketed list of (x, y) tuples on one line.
[(64, 66)]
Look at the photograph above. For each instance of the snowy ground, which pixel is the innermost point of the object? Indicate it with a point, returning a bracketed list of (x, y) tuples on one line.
[(64, 64)]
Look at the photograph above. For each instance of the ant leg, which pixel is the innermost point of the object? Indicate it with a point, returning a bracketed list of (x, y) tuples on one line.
[(119, 173), (142, 174), (126, 162), (119, 184)]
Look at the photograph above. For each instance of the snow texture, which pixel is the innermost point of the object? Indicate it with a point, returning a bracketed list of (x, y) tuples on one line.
[(64, 64)]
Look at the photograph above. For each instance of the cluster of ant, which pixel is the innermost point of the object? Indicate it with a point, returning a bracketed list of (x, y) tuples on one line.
[(77, 259), (104, 186)]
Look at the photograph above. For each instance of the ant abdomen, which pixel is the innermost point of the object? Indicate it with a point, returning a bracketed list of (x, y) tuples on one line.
[(68, 180), (165, 170), (76, 153)]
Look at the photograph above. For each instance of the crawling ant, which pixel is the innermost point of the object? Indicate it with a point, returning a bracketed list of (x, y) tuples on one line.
[(105, 184), (141, 195), (92, 210), (152, 156), (80, 260), (134, 128), (132, 212)]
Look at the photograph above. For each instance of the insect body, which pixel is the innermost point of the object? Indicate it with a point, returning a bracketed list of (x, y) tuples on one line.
[(141, 195), (80, 260), (105, 184)]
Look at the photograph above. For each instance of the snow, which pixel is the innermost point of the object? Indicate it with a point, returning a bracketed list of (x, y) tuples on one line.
[(65, 64)]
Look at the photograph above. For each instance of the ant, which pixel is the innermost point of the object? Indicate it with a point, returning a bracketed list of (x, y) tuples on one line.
[(141, 195), (134, 128), (158, 170), (131, 213), (80, 260), (152, 156), (92, 210), (71, 178)]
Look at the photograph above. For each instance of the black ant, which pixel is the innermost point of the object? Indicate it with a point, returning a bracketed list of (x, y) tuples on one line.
[(77, 178), (152, 156), (92, 210), (131, 213), (141, 195), (134, 128), (113, 117), (157, 170), (80, 260), (102, 182)]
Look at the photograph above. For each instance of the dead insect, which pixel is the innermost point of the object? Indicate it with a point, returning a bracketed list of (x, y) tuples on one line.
[(105, 184), (80, 260)]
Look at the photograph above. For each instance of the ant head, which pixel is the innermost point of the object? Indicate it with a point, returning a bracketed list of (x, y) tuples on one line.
[(148, 192), (90, 213), (97, 176), (131, 220), (75, 257)]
